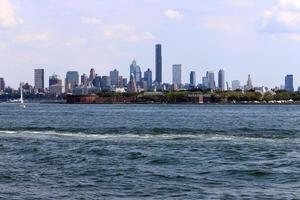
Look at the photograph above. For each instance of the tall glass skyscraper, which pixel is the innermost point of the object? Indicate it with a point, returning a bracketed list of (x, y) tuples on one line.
[(71, 81), (135, 70), (211, 80), (148, 78), (114, 78), (221, 80), (289, 83), (193, 78), (177, 74), (2, 85), (158, 63), (39, 79)]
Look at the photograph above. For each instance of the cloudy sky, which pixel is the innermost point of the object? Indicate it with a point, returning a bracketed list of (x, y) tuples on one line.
[(256, 37)]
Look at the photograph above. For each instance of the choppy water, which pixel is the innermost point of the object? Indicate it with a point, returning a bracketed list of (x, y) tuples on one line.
[(149, 152)]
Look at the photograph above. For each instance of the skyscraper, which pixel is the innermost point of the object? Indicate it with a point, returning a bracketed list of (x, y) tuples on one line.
[(221, 80), (158, 63), (249, 85), (148, 78), (2, 85), (132, 85), (84, 80), (136, 71), (39, 79), (205, 82), (193, 78), (55, 85), (92, 75), (177, 74), (211, 80), (114, 78), (289, 83), (235, 85), (71, 81)]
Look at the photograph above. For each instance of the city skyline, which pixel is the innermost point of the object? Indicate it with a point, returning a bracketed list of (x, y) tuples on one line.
[(241, 37)]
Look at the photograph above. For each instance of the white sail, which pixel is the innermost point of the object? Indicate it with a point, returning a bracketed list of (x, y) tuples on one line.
[(21, 100)]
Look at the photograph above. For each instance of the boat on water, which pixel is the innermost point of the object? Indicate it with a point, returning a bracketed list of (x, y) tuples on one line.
[(22, 104)]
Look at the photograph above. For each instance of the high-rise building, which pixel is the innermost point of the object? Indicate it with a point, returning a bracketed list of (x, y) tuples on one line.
[(177, 74), (39, 79), (71, 81), (221, 80), (249, 85), (211, 80), (158, 63), (84, 80), (136, 71), (114, 78), (55, 85), (2, 85), (289, 83), (193, 78), (132, 88), (105, 83), (235, 85), (92, 75), (148, 79), (97, 82), (205, 82)]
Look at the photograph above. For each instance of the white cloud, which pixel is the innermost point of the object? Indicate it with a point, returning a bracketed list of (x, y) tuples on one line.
[(125, 33), (22, 39), (91, 20), (284, 17), (173, 14), (7, 15)]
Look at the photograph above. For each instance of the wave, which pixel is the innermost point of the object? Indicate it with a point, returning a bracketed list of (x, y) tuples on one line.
[(241, 134)]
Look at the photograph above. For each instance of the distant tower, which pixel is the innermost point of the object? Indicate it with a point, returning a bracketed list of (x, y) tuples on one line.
[(2, 85), (158, 63), (136, 71), (148, 78), (249, 85), (114, 78), (92, 75), (211, 80), (84, 80), (71, 81), (193, 78), (55, 85), (132, 85), (39, 79), (177, 75), (289, 83), (221, 80)]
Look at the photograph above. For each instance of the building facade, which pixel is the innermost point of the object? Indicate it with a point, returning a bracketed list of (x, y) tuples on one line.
[(221, 80), (211, 80), (177, 74), (193, 78), (289, 83), (148, 79), (71, 81), (136, 71), (55, 85), (2, 85), (39, 79), (114, 78), (158, 63)]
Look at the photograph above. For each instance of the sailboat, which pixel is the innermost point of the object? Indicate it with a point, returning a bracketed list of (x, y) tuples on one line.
[(22, 104)]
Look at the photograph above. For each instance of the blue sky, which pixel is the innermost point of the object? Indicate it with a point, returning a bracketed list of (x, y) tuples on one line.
[(256, 37)]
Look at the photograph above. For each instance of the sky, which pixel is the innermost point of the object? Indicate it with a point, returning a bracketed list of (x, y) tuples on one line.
[(256, 37)]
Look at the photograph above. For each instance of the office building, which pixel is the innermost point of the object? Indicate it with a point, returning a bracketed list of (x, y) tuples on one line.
[(92, 75), (39, 79), (177, 75), (97, 82), (235, 85), (105, 83), (193, 79), (84, 80), (132, 88), (2, 85), (289, 83), (135, 70), (55, 85), (221, 80), (211, 79), (114, 78), (148, 79), (205, 82), (249, 85), (71, 81), (158, 63)]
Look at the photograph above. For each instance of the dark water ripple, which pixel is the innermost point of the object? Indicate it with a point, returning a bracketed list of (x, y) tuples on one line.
[(149, 152)]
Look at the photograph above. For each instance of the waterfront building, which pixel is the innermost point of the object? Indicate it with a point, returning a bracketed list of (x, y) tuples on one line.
[(84, 80), (211, 79), (235, 85), (71, 81), (39, 79), (97, 82), (132, 88), (136, 71), (249, 85), (92, 75), (158, 63), (205, 82), (221, 80), (148, 79), (114, 78), (105, 83), (55, 85), (2, 85), (289, 83), (193, 79), (125, 82), (177, 75)]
